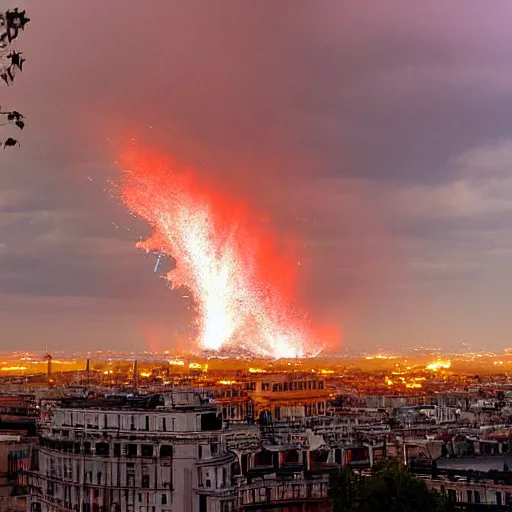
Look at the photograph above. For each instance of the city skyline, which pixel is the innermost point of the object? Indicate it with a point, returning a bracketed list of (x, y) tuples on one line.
[(378, 138)]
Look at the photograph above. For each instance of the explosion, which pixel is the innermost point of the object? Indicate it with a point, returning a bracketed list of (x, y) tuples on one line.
[(241, 284)]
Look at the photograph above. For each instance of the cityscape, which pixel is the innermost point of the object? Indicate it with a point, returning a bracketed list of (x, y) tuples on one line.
[(255, 256), (211, 432)]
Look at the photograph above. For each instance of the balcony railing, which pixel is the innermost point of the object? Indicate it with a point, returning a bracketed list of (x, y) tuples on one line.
[(277, 490)]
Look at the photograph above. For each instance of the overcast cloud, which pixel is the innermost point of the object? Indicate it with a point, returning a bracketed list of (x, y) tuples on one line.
[(378, 133)]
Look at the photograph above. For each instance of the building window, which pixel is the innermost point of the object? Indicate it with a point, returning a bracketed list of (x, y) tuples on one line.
[(131, 450), (291, 457), (214, 448), (117, 450), (164, 499), (147, 422), (147, 450), (211, 421), (145, 482), (102, 449), (263, 459), (99, 476), (166, 450)]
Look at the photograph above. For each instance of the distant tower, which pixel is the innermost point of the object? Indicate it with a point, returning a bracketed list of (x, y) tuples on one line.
[(48, 358), (135, 374), (88, 370)]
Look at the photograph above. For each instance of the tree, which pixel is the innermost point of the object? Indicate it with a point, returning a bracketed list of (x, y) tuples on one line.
[(344, 490), (391, 488), (11, 63)]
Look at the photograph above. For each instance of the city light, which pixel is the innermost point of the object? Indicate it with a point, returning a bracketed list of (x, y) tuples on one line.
[(439, 365)]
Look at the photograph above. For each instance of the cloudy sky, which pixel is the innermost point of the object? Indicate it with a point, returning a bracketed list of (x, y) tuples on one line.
[(379, 134)]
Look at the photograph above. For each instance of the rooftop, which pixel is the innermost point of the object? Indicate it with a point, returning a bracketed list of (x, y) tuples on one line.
[(183, 399)]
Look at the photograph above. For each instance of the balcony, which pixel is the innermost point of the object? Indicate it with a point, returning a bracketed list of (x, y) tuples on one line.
[(274, 491)]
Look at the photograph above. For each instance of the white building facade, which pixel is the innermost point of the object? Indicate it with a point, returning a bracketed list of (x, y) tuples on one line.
[(166, 458)]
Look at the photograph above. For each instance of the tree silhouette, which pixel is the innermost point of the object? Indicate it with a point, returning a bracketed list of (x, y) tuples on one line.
[(391, 488), (11, 63)]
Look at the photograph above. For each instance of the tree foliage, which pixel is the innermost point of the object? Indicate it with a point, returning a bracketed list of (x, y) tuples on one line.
[(391, 488), (344, 490), (11, 62)]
